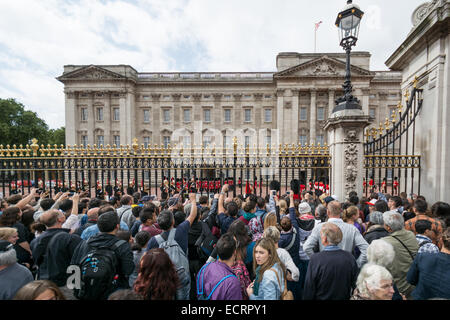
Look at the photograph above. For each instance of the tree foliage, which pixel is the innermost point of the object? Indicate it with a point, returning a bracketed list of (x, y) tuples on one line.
[(19, 126)]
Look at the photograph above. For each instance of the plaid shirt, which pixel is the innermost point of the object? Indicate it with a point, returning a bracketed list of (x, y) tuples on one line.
[(436, 225), (425, 245)]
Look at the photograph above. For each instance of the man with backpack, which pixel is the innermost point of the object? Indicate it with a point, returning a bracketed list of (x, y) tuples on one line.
[(216, 280), (53, 250), (105, 261), (175, 242)]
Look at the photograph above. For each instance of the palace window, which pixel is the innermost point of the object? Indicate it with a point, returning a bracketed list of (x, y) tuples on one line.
[(84, 114), (116, 114), (303, 114), (100, 114), (100, 140), (320, 139), (146, 115), (303, 140), (267, 115), (166, 115), (372, 112), (321, 113), (116, 140), (146, 141), (84, 141), (247, 115), (166, 141), (207, 115), (227, 115), (187, 115)]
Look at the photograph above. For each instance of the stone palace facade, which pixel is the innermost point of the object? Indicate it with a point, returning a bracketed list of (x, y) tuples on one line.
[(112, 104)]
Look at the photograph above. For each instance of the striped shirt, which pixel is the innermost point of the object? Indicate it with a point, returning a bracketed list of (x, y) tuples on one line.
[(426, 245)]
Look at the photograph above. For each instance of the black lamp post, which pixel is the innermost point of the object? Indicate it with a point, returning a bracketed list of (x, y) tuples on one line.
[(348, 22)]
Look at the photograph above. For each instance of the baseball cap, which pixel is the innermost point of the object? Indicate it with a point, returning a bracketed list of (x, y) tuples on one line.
[(304, 207), (328, 199), (372, 202)]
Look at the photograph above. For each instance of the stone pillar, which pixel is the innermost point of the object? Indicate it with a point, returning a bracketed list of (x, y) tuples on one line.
[(345, 131), (312, 121), (280, 115), (72, 118), (92, 117), (365, 100), (331, 98), (108, 117), (124, 118), (294, 117)]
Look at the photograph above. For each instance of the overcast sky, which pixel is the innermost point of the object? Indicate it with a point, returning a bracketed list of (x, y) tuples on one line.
[(37, 38)]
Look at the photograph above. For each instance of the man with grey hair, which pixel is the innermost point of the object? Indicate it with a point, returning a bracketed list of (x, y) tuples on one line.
[(13, 276), (332, 272), (352, 238), (405, 247)]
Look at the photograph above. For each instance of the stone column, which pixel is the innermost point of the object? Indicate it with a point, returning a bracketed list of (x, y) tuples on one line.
[(330, 102), (294, 117), (365, 100), (259, 114), (123, 117), (92, 117), (345, 139), (108, 116), (312, 121), (155, 121), (280, 116), (72, 118)]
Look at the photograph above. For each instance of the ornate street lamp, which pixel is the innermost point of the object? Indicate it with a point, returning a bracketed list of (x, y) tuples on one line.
[(348, 22)]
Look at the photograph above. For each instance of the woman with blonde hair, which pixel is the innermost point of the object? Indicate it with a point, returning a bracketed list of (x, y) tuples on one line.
[(270, 220), (12, 235), (39, 290), (270, 280), (351, 216), (283, 208)]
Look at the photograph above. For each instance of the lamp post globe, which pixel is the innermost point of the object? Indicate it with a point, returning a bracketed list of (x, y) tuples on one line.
[(348, 22)]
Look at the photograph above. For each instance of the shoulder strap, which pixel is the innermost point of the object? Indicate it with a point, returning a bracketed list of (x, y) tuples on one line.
[(412, 256), (278, 279), (118, 244), (294, 235), (172, 234), (215, 287), (121, 215), (200, 277), (424, 243)]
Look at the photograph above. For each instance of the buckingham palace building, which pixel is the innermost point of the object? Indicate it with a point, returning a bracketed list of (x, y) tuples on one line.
[(113, 104)]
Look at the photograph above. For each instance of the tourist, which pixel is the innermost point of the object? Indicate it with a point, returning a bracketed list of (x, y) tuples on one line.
[(424, 234), (374, 282), (375, 227), (420, 208), (429, 272), (269, 283), (352, 238), (405, 247), (13, 276), (40, 290), (157, 279), (216, 280), (332, 272)]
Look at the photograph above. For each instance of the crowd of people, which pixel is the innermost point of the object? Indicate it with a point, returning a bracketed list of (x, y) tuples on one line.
[(187, 246)]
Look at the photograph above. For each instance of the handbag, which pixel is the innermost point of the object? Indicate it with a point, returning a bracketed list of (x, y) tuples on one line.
[(286, 294)]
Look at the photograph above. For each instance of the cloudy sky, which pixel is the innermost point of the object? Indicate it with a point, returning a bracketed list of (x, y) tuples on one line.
[(37, 38)]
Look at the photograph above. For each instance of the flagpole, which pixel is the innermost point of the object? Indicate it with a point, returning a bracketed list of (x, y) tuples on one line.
[(315, 39)]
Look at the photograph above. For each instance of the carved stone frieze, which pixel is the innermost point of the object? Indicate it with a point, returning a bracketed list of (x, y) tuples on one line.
[(351, 160)]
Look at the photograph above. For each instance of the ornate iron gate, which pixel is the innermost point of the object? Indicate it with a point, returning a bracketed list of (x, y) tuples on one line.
[(390, 163)]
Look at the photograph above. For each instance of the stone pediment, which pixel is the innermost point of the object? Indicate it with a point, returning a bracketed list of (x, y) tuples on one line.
[(91, 73), (321, 67)]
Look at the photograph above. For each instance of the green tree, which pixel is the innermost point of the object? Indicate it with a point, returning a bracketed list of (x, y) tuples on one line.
[(19, 126), (57, 136)]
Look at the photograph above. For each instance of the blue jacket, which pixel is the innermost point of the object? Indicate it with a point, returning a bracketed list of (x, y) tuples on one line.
[(429, 272), (269, 288)]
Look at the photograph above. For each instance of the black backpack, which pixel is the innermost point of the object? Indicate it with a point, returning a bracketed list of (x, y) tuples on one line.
[(98, 273), (206, 242)]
